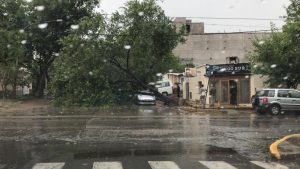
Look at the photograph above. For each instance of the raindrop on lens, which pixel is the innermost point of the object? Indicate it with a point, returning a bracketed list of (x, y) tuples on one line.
[(43, 25), (74, 27), (261, 42), (158, 74), (223, 70), (141, 13), (40, 8), (120, 24), (127, 47)]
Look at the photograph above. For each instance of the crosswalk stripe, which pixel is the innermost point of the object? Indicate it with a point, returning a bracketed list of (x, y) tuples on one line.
[(270, 165), (48, 166), (163, 165), (107, 165), (217, 165)]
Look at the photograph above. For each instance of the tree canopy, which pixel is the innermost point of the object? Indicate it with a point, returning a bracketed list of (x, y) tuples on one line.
[(278, 56), (107, 59)]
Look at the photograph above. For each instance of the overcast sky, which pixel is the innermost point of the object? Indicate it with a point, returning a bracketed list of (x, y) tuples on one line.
[(219, 9)]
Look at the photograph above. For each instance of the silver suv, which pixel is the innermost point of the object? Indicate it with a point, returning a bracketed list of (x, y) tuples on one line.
[(276, 101)]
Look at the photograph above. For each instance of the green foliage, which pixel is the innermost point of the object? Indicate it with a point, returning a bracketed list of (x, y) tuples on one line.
[(107, 60), (278, 56), (47, 21), (11, 48)]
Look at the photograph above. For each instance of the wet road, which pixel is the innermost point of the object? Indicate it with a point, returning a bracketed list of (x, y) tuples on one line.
[(143, 137)]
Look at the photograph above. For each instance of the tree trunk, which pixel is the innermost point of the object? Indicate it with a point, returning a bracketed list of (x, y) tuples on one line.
[(14, 91), (40, 83), (159, 95)]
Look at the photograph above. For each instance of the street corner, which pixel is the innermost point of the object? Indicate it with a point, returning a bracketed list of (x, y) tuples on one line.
[(288, 146)]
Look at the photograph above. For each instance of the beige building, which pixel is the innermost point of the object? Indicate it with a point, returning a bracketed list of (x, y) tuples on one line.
[(214, 48), (227, 55), (245, 85)]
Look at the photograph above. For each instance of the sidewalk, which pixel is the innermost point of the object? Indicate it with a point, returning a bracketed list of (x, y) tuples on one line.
[(23, 106), (193, 106)]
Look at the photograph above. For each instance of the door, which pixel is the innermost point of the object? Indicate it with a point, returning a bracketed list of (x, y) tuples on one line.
[(244, 91), (295, 99), (233, 92), (283, 97), (224, 92), (187, 91)]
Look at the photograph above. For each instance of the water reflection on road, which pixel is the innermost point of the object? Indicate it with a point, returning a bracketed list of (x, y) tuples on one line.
[(144, 132)]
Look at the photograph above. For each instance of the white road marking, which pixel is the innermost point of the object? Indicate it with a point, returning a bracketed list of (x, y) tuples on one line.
[(48, 166), (107, 165), (270, 165), (163, 165), (217, 165)]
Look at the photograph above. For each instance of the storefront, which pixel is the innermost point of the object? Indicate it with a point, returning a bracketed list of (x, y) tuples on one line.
[(231, 81)]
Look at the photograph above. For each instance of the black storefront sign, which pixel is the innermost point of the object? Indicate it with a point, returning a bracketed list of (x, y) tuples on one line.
[(228, 69)]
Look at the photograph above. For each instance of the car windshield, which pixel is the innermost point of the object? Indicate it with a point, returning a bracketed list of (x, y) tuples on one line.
[(149, 84)]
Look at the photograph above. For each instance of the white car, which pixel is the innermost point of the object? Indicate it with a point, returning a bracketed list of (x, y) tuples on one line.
[(164, 87), (145, 98)]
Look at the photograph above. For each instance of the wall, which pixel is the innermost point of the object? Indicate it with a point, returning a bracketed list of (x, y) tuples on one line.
[(215, 48)]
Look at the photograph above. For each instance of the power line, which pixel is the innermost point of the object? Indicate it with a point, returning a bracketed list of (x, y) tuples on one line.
[(250, 26), (230, 18), (220, 18)]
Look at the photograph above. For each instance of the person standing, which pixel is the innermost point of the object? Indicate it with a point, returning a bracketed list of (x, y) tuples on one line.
[(212, 93), (202, 95), (178, 90)]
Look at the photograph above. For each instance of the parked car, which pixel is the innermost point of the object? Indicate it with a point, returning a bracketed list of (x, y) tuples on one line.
[(145, 97), (164, 87), (276, 101)]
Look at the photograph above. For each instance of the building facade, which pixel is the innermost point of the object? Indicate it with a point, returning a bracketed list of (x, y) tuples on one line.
[(225, 53)]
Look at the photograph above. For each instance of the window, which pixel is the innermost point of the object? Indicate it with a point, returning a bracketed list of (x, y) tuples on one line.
[(232, 60), (188, 28), (294, 94), (283, 93), (271, 93), (263, 93), (165, 84)]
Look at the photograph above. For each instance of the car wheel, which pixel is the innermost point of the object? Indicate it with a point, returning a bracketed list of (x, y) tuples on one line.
[(275, 109)]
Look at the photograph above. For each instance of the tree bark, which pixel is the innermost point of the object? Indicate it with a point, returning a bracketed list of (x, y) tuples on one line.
[(163, 98), (40, 82)]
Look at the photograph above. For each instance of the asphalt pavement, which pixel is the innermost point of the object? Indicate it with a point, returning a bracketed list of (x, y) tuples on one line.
[(144, 138)]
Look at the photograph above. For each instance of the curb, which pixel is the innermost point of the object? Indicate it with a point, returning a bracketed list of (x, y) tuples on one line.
[(274, 146)]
